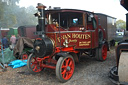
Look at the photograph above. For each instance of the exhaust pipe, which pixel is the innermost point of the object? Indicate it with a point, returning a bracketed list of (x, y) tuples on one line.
[(41, 20)]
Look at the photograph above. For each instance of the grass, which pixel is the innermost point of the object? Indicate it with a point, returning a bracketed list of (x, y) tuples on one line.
[(116, 43)]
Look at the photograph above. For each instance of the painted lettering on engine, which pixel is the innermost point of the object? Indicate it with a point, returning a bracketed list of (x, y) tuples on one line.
[(73, 37)]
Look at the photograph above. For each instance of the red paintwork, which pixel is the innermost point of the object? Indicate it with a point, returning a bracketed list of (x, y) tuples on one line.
[(4, 32), (48, 66), (68, 49), (104, 52), (38, 39), (27, 31), (25, 56), (51, 28), (41, 63), (74, 39), (75, 28)]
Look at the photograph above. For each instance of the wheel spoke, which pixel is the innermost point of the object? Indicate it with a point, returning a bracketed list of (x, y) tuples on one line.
[(70, 63), (64, 67), (32, 65), (71, 71), (63, 75), (34, 62), (67, 61), (72, 67), (63, 72), (66, 75), (35, 68), (35, 59)]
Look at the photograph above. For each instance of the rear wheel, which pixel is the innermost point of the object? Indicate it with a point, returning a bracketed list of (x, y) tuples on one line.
[(32, 64), (65, 68), (101, 53)]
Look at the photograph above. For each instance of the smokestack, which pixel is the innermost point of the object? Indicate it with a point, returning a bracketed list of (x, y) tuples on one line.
[(41, 20), (127, 21)]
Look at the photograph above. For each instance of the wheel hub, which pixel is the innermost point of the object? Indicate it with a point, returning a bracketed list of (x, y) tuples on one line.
[(68, 68)]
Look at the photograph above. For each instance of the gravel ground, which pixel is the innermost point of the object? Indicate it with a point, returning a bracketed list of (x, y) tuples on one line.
[(87, 72)]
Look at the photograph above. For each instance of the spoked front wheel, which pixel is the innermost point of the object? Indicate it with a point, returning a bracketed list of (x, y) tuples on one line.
[(65, 68), (33, 64)]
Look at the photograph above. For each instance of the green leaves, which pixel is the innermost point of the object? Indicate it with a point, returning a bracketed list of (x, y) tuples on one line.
[(121, 24)]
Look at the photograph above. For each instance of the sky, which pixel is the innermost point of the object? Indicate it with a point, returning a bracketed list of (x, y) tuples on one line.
[(108, 7)]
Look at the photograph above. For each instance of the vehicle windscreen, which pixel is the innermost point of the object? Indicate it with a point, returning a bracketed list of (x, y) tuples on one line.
[(66, 19)]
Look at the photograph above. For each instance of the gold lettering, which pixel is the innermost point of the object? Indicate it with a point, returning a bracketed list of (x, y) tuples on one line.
[(89, 41), (58, 39), (74, 36), (85, 43), (68, 36), (72, 40), (63, 37), (81, 36)]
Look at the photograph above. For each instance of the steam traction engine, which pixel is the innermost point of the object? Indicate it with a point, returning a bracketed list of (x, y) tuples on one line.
[(64, 34)]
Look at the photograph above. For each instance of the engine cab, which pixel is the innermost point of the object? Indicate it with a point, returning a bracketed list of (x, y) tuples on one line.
[(72, 28)]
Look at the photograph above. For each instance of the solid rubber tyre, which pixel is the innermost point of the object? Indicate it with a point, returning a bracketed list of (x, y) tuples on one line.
[(65, 68)]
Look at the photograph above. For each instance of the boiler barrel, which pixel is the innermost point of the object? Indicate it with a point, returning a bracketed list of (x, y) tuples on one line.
[(43, 47)]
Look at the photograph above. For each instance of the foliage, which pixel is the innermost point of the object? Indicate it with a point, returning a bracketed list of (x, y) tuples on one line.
[(121, 24), (11, 15)]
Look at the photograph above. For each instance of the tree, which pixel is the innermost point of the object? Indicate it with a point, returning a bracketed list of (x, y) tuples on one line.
[(11, 15), (10, 2), (7, 17), (2, 6), (121, 24), (25, 16)]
